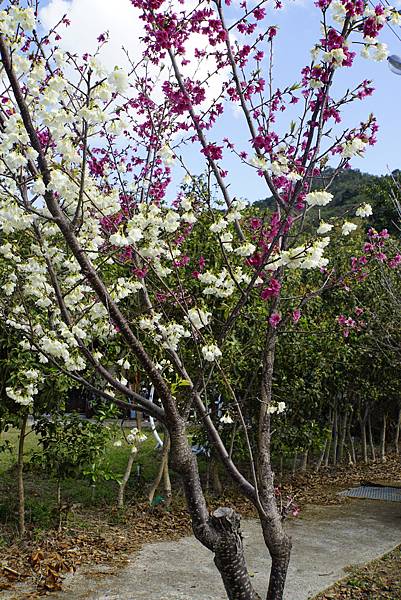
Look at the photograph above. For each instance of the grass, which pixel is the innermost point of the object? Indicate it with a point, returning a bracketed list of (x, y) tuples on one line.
[(40, 490), (378, 580)]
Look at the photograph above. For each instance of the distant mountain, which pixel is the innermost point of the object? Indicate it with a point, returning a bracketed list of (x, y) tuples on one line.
[(352, 187)]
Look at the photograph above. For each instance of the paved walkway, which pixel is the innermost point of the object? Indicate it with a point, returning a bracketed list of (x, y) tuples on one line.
[(326, 539)]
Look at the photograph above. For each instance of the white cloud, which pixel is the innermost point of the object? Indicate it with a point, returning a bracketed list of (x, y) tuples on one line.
[(90, 18)]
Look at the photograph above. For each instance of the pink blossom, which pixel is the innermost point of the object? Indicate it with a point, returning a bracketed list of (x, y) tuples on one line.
[(255, 223), (274, 319), (394, 262), (272, 291), (140, 273), (213, 152), (296, 315), (182, 261)]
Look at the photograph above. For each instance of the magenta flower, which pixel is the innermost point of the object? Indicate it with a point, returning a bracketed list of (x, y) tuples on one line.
[(272, 291), (140, 273), (213, 152), (394, 262), (296, 315), (274, 319)]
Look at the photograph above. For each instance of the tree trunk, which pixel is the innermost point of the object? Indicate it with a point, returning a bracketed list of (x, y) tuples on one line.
[(294, 463), (305, 460), (58, 493), (335, 436), (328, 445), (364, 442), (342, 437), (167, 483), (279, 545), (351, 440), (219, 532), (123, 484), (362, 422), (162, 467), (139, 419), (321, 457), (229, 555), (276, 539), (20, 476), (59, 507), (383, 439), (217, 486), (371, 441), (397, 432), (350, 462)]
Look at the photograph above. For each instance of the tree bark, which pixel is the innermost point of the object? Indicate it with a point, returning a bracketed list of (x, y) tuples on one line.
[(229, 555), (215, 477), (294, 463), (383, 439), (167, 483), (162, 467), (280, 561), (123, 484), (305, 460), (371, 440), (364, 442), (397, 433), (342, 437), (20, 476), (362, 423), (276, 539), (329, 440), (335, 437), (321, 457), (351, 440), (59, 507)]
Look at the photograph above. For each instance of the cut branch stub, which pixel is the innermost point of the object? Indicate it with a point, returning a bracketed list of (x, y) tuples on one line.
[(229, 555)]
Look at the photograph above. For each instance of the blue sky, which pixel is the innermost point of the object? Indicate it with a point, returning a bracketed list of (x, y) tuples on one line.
[(298, 27), (298, 30)]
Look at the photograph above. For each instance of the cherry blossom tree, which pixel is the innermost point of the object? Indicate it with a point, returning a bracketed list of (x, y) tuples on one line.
[(106, 261)]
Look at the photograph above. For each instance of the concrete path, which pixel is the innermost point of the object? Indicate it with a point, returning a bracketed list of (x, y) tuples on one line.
[(326, 539)]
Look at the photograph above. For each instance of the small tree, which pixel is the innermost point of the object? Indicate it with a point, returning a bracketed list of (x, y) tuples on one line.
[(85, 173)]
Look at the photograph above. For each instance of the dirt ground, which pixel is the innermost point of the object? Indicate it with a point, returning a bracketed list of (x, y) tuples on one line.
[(327, 541)]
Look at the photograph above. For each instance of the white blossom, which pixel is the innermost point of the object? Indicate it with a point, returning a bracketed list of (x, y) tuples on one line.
[(226, 418), (318, 198), (118, 80), (259, 162), (353, 147), (365, 210), (245, 250), (211, 352), (219, 226), (348, 227), (324, 228), (198, 317)]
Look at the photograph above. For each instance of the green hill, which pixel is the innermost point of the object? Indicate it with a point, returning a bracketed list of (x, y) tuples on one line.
[(352, 187)]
